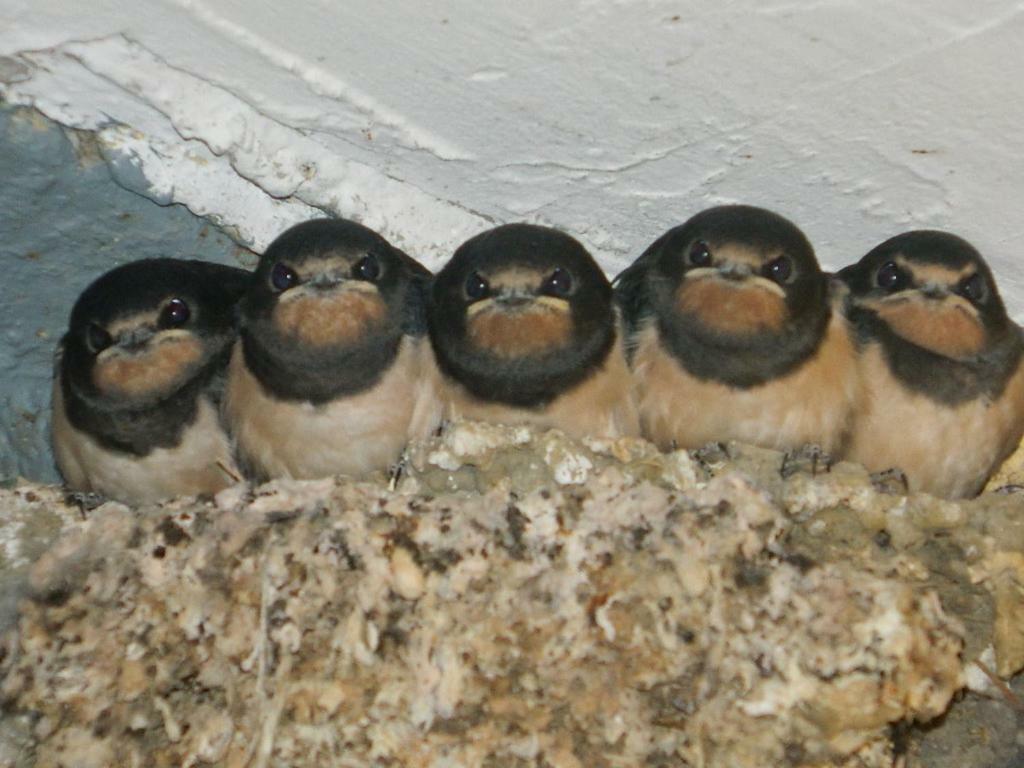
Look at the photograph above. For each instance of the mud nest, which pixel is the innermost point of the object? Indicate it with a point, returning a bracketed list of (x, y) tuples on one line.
[(513, 598)]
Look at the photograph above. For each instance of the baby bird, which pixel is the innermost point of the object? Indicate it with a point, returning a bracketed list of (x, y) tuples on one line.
[(525, 332), (138, 378), (329, 375), (941, 364), (733, 336)]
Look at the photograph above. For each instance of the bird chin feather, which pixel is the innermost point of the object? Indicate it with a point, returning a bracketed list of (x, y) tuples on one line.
[(946, 327), (167, 362), (333, 319), (734, 308), (537, 329)]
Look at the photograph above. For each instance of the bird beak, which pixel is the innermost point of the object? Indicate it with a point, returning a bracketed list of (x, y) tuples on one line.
[(726, 271), (934, 291), (325, 281), (136, 338), (513, 299), (517, 299), (732, 271), (739, 272)]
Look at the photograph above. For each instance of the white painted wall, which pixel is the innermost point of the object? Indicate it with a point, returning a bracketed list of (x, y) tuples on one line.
[(612, 119)]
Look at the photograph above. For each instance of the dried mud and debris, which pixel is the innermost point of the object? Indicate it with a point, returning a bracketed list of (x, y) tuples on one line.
[(517, 598)]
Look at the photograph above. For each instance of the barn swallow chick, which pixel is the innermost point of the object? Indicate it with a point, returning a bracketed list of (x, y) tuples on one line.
[(330, 373), (525, 332), (733, 336), (941, 364), (138, 379)]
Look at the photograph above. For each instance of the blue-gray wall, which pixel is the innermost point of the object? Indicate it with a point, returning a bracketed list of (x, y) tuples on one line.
[(64, 221)]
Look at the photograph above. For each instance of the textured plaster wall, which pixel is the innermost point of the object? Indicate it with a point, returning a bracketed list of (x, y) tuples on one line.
[(613, 119)]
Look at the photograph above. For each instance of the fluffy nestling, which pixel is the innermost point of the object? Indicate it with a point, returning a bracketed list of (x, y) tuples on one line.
[(733, 336), (525, 332), (138, 379), (941, 364), (330, 375)]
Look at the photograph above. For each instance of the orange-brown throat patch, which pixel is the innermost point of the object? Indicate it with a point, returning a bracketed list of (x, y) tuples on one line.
[(160, 370), (940, 327), (732, 307), (538, 330), (340, 318)]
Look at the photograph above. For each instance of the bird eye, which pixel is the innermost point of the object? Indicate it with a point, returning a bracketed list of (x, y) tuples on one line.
[(97, 338), (476, 287), (700, 254), (778, 270), (973, 287), (175, 314), (891, 277), (282, 277), (367, 268), (558, 283)]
